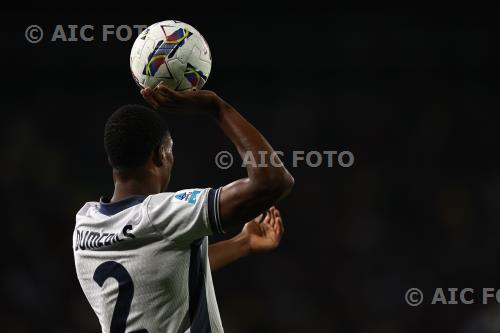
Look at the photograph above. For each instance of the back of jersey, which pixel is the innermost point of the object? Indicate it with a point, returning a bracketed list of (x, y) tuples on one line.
[(143, 264)]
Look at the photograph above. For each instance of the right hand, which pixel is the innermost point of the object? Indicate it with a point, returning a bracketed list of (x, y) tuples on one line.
[(164, 98)]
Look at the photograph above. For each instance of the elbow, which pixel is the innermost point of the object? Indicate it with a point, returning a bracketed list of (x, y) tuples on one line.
[(277, 187), (287, 184)]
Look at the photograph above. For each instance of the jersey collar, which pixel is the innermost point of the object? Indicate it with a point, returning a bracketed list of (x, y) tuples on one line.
[(111, 208)]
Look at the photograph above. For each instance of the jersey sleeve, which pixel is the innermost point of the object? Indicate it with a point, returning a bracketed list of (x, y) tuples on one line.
[(186, 215)]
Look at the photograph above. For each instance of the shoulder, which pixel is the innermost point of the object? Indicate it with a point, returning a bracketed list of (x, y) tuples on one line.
[(87, 209), (190, 196), (180, 206)]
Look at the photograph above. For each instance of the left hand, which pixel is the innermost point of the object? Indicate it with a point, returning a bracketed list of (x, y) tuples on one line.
[(265, 235)]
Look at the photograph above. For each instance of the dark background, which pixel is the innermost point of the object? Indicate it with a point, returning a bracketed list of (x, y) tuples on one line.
[(412, 93)]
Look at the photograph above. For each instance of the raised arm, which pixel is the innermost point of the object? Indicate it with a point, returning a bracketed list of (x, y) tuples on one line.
[(265, 185)]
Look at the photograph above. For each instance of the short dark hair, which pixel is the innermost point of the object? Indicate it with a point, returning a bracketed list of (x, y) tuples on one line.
[(131, 134)]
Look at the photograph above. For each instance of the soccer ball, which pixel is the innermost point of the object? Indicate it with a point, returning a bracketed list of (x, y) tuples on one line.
[(171, 52)]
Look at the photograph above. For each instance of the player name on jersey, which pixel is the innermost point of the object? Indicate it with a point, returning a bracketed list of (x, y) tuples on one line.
[(89, 240)]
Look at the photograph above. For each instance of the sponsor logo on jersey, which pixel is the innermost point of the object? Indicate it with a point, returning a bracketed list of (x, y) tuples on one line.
[(189, 197)]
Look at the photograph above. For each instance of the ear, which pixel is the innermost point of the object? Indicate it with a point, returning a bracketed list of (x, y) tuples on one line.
[(160, 155)]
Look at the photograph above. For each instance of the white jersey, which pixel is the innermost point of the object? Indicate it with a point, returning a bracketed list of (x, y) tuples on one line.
[(142, 262)]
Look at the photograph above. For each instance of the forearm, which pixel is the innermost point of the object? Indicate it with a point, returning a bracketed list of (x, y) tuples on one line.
[(248, 140), (225, 252), (266, 183)]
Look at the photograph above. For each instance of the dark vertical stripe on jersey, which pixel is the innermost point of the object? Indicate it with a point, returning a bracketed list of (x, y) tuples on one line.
[(198, 308), (213, 211)]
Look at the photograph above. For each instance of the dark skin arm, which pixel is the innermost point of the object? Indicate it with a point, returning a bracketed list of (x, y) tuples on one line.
[(245, 198), (259, 235)]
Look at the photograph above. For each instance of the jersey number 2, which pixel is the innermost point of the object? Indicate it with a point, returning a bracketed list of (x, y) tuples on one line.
[(112, 269)]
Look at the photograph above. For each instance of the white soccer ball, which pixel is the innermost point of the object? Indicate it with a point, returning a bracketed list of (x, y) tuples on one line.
[(171, 52)]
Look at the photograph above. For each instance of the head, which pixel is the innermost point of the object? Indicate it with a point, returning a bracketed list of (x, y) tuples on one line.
[(138, 144)]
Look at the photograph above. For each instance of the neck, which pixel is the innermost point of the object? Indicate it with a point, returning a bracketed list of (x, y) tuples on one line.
[(137, 182)]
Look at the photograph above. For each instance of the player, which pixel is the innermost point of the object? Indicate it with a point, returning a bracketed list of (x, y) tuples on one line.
[(142, 257)]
